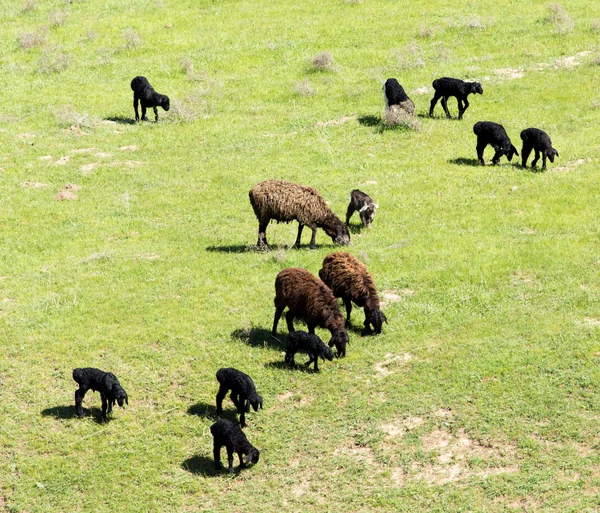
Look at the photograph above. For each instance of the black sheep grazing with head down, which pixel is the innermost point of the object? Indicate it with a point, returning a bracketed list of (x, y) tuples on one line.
[(394, 94), (226, 433), (243, 392), (106, 383), (538, 140), (446, 87), (144, 93), (307, 343), (488, 132)]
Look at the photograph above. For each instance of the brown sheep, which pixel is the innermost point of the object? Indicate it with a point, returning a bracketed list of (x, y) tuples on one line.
[(311, 300), (287, 201), (349, 279)]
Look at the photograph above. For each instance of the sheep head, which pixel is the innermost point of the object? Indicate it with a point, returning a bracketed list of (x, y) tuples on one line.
[(476, 88), (339, 339), (119, 395), (551, 153)]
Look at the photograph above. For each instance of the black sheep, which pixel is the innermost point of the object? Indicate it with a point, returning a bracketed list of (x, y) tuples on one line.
[(538, 140), (148, 97), (228, 434), (395, 95), (446, 87), (361, 202), (488, 132), (307, 343), (243, 392), (106, 383)]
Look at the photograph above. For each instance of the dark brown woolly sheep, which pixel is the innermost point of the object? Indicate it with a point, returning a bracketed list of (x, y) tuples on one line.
[(349, 279), (311, 300), (287, 201)]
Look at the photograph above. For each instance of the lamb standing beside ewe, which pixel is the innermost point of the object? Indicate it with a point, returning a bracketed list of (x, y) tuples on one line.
[(446, 87), (243, 392), (111, 391), (311, 300), (538, 140), (488, 132), (148, 97), (287, 201), (308, 343), (228, 434), (361, 202), (349, 279)]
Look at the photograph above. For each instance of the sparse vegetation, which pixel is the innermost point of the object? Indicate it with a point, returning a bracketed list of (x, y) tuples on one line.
[(132, 39), (53, 60), (559, 17), (323, 62), (32, 39)]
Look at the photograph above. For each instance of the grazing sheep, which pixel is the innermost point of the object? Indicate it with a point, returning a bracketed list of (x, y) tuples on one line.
[(243, 392), (394, 94), (287, 201), (308, 343), (446, 87), (106, 383), (349, 279), (310, 299), (538, 140), (148, 97), (361, 202), (488, 132), (228, 434)]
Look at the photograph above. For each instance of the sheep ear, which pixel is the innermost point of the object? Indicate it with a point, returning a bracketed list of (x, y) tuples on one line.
[(557, 153), (515, 150), (126, 400), (363, 208)]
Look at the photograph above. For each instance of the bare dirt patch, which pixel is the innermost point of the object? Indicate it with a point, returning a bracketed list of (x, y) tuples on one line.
[(397, 429), (34, 185), (509, 73), (76, 130), (103, 155), (423, 90), (590, 321), (45, 157), (340, 121), (65, 195), (569, 166), (391, 364), (131, 147), (62, 161), (148, 256), (83, 150), (86, 168), (26, 136), (571, 61), (71, 187)]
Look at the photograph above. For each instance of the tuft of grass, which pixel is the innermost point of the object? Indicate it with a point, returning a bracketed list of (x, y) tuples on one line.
[(132, 39), (411, 57), (32, 39), (559, 17), (192, 107), (29, 5), (397, 117), (322, 62), (68, 116), (595, 25), (58, 18), (304, 88), (53, 60), (425, 32)]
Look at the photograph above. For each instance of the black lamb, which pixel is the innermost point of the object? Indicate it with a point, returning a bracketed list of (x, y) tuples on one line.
[(446, 87), (395, 94), (106, 383), (148, 97), (488, 132), (307, 343), (366, 207), (243, 392), (538, 140), (228, 434)]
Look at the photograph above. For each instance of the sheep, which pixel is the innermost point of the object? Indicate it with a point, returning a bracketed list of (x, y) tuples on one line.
[(488, 132), (310, 299), (106, 383), (394, 94), (307, 343), (538, 140), (287, 201), (446, 87), (361, 202), (148, 97), (243, 392), (228, 434), (349, 279)]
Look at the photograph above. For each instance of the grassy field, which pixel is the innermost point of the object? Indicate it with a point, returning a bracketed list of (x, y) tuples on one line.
[(481, 395)]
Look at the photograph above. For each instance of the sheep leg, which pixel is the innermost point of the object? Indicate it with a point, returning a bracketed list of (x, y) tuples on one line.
[(220, 396), (289, 318), (229, 458), (434, 100), (79, 394), (104, 406), (497, 155), (367, 325), (462, 108), (348, 305), (445, 106), (311, 328), (262, 235), (155, 114), (297, 243), (349, 213), (241, 458), (313, 238), (110, 405), (278, 312), (537, 157), (289, 358), (135, 107), (144, 117), (313, 358), (480, 148), (217, 454), (525, 152), (543, 161)]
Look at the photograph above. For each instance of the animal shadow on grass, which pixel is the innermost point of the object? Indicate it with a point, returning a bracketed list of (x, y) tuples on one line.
[(200, 465), (121, 120), (369, 120), (233, 248), (286, 366), (209, 411), (259, 337), (356, 228), (461, 161), (69, 412)]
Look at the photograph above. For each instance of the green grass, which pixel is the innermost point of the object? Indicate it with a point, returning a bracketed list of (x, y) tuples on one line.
[(480, 395)]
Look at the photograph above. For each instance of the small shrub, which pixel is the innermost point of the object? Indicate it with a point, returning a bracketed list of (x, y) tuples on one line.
[(304, 88), (68, 116), (559, 17), (194, 106), (53, 61), (396, 117), (323, 62), (132, 39), (411, 57), (425, 32), (32, 39)]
